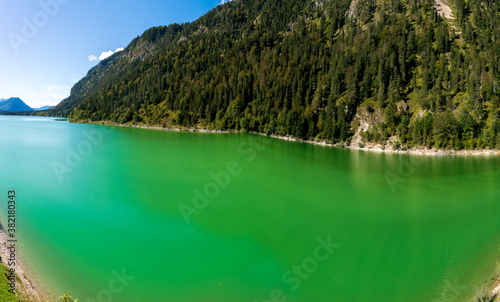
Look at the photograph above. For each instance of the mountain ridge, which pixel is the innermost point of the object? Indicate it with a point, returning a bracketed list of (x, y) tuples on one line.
[(46, 107), (339, 71)]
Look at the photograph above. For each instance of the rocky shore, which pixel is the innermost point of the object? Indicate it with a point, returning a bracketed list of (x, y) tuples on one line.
[(355, 144)]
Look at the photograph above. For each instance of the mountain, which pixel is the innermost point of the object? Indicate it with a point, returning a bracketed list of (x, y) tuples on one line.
[(43, 108), (408, 73), (13, 105)]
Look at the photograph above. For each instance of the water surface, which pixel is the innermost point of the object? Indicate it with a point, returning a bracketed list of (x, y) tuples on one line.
[(96, 202)]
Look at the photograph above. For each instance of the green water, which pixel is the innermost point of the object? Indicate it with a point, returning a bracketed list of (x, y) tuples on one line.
[(400, 227)]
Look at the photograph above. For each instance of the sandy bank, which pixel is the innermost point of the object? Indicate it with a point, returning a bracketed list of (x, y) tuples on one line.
[(389, 149), (27, 288)]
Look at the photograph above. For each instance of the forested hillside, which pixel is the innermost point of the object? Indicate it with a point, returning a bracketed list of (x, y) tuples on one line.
[(328, 70)]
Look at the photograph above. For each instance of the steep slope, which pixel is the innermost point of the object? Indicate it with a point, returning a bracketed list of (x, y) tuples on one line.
[(113, 68), (153, 44), (312, 70), (13, 105)]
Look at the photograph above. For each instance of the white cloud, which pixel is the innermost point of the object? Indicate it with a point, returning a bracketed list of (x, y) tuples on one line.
[(104, 55), (225, 1), (107, 54), (46, 95)]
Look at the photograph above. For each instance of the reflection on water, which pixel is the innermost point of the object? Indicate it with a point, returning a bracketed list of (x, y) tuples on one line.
[(298, 221)]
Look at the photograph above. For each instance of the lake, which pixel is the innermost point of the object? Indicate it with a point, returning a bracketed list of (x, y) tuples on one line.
[(122, 214)]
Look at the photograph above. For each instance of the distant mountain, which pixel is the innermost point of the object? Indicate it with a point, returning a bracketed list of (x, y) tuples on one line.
[(43, 108), (13, 105)]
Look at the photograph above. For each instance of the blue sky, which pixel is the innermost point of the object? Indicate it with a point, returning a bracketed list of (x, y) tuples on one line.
[(46, 46)]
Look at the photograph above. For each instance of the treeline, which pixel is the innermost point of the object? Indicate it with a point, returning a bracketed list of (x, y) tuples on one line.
[(312, 70)]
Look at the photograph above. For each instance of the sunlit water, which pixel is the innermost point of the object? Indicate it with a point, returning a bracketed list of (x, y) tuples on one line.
[(120, 214)]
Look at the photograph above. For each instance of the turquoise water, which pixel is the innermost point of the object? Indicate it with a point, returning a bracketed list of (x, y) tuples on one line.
[(120, 214)]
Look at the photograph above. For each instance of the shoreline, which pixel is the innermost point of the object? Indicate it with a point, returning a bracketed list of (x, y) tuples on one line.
[(28, 288), (370, 147)]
